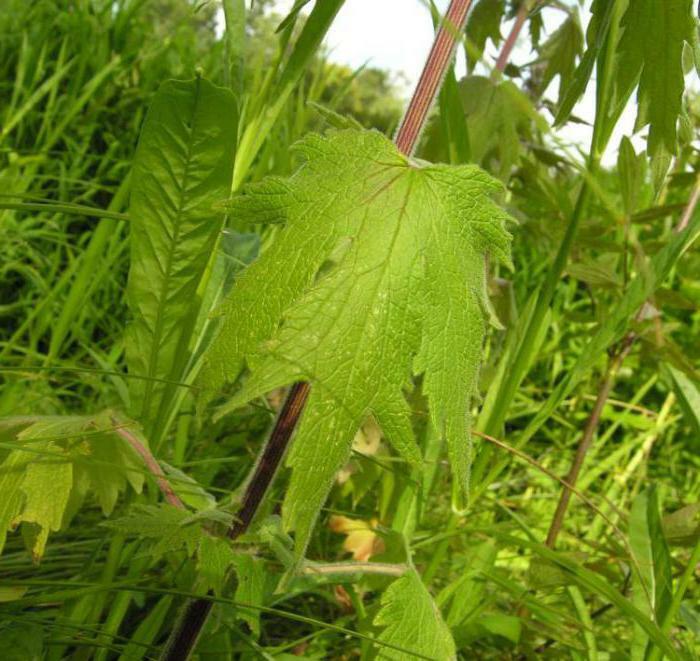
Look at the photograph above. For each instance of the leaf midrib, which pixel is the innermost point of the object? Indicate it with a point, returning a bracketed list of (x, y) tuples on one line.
[(178, 220)]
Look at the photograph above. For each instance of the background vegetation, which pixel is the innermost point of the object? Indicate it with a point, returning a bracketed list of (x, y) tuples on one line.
[(612, 359)]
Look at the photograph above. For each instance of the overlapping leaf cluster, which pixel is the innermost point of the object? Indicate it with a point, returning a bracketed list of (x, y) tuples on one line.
[(58, 462)]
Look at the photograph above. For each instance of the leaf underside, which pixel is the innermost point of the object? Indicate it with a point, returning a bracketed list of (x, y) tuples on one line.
[(377, 275), (182, 169)]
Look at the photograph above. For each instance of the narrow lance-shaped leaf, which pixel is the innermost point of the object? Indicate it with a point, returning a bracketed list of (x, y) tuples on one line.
[(652, 586), (182, 169), (378, 274), (601, 12)]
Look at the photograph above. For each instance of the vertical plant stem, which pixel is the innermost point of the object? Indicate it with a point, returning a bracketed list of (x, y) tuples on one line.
[(271, 457), (194, 615), (509, 44), (432, 76), (587, 439)]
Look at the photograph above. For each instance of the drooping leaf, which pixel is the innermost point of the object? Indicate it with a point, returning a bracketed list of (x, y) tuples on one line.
[(484, 23), (182, 169), (58, 462), (412, 620), (651, 53), (499, 116), (652, 586), (378, 274), (560, 53)]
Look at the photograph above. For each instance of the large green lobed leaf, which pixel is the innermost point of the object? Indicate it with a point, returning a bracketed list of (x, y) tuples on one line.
[(378, 274), (182, 169)]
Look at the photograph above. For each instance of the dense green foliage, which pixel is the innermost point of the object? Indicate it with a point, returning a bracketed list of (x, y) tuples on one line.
[(176, 252)]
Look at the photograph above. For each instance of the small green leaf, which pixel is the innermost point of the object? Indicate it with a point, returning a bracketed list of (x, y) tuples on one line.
[(598, 273), (688, 396), (484, 23), (652, 585), (214, 557), (560, 52), (253, 586), (499, 116), (631, 170), (170, 528), (682, 527), (11, 499), (188, 489), (46, 487), (58, 461), (505, 626), (412, 620)]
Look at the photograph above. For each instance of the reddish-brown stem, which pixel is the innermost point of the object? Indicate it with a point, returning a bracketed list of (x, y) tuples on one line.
[(509, 43), (431, 78), (587, 439), (271, 457), (152, 465)]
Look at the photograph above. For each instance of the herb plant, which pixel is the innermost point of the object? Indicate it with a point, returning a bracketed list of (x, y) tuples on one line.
[(250, 334)]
